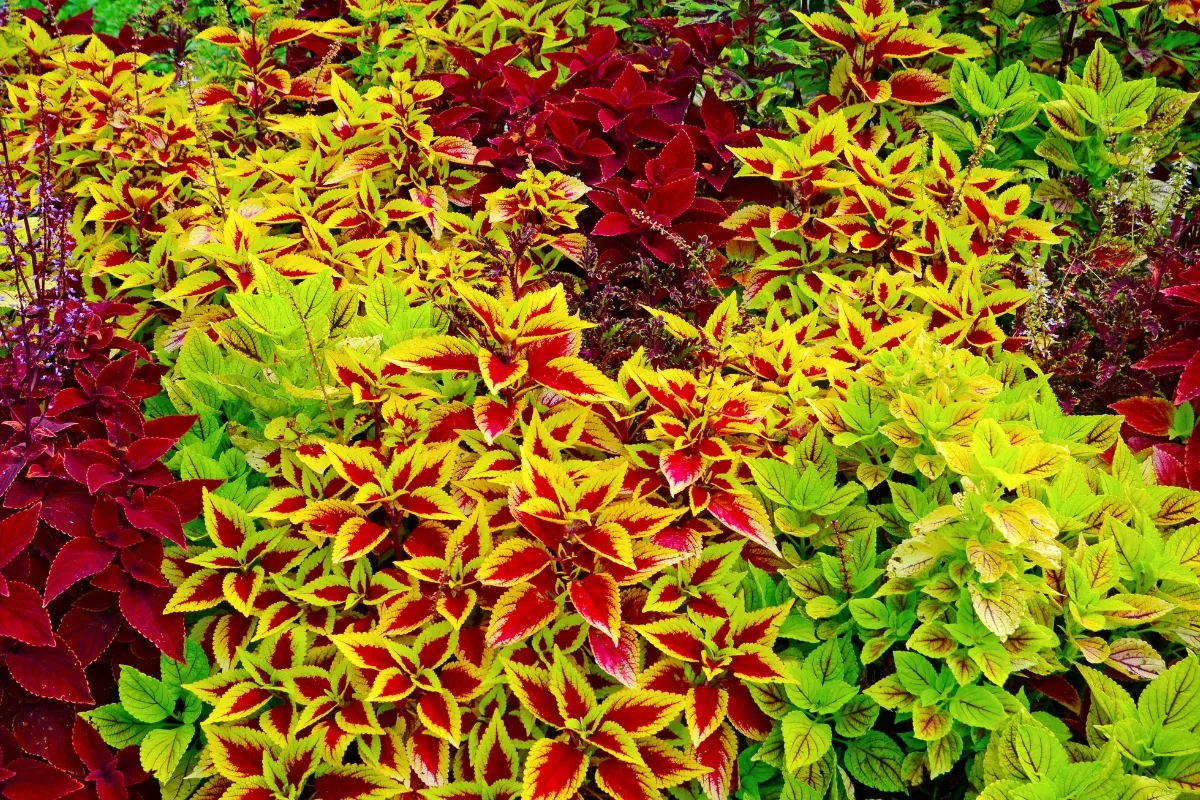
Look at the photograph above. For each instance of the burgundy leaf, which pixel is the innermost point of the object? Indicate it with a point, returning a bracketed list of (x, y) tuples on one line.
[(613, 224), (1169, 358), (1057, 689), (66, 400), (22, 616), (17, 531), (1189, 381), (1191, 461), (78, 462), (143, 607), (144, 452), (43, 729), (673, 199), (68, 509), (89, 632), (88, 745), (157, 514), (170, 427), (52, 672), (37, 780), (187, 496), (78, 559), (1150, 415)]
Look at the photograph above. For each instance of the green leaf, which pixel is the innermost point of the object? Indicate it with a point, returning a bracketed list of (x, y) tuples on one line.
[(314, 296), (775, 479), (930, 723), (826, 661), (1014, 85), (804, 741), (973, 89), (842, 497), (1041, 36), (199, 357), (1090, 780), (1109, 700), (180, 786), (272, 316), (147, 699), (875, 760), (1173, 698), (194, 668), (1058, 151), (795, 790), (834, 694), (1167, 109), (857, 717), (1102, 73), (944, 753), (1099, 565), (910, 503), (163, 749), (1183, 773), (385, 302), (977, 707), (1085, 101), (116, 726), (1029, 749), (932, 640), (915, 672), (1183, 423), (956, 133), (993, 659), (1174, 741), (870, 614), (1130, 96), (812, 491), (1065, 120)]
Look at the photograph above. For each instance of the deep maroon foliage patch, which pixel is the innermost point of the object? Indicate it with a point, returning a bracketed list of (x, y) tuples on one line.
[(87, 505)]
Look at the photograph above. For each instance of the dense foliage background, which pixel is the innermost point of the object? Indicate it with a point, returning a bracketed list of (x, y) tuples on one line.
[(483, 399)]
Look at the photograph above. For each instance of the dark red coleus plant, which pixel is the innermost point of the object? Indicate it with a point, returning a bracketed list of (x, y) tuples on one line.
[(626, 121), (661, 210), (1128, 321), (73, 761), (84, 507), (1180, 352)]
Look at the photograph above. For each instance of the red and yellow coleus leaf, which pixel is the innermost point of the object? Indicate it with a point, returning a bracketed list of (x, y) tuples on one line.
[(598, 600), (519, 613), (553, 771)]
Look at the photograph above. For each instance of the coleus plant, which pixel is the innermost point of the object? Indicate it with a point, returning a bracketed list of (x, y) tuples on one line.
[(158, 717), (877, 34), (1088, 110), (970, 627), (1142, 746), (88, 505), (881, 245)]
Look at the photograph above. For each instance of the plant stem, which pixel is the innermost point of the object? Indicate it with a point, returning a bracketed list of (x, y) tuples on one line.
[(320, 373), (1068, 46)]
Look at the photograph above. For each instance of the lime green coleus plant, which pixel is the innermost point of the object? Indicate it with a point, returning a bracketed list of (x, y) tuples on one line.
[(962, 529), (1021, 548), (158, 716), (1094, 117), (1148, 748)]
